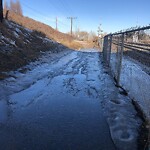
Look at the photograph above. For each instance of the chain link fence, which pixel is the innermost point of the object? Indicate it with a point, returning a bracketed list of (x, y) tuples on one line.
[(127, 53)]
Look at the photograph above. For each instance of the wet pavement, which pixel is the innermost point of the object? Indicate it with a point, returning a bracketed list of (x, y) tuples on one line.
[(56, 106)]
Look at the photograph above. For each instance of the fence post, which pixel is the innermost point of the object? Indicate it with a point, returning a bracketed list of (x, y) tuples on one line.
[(105, 46), (102, 43), (117, 57), (6, 16), (109, 50), (119, 66)]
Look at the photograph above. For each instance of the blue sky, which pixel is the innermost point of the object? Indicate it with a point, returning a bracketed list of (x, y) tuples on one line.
[(114, 15)]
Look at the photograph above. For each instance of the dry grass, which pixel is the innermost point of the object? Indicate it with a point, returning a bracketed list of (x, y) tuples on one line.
[(43, 28), (72, 44), (26, 48)]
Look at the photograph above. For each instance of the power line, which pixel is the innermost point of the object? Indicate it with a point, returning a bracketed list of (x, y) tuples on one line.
[(63, 23), (56, 24), (66, 7), (43, 16), (71, 19), (60, 9), (40, 13), (55, 6)]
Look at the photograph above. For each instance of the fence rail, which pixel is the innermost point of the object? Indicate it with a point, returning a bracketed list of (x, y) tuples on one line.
[(127, 53), (127, 39)]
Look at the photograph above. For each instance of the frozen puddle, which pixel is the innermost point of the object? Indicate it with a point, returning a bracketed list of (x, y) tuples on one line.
[(3, 111)]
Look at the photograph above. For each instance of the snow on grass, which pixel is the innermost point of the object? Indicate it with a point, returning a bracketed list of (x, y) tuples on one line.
[(13, 43), (135, 81), (121, 115), (28, 30), (7, 41), (16, 34), (47, 40), (18, 30)]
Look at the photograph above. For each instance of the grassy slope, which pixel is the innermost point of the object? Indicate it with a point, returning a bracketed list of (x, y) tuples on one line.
[(28, 48), (51, 33), (19, 46)]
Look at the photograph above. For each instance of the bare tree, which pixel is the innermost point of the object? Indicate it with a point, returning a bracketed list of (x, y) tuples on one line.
[(12, 6), (83, 35), (16, 7), (92, 36), (5, 5)]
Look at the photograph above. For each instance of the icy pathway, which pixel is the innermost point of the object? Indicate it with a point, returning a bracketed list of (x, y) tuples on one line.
[(58, 106)]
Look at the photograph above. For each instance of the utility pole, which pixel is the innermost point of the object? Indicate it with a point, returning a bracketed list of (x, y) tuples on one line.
[(100, 37), (100, 31), (56, 24), (71, 19), (1, 10)]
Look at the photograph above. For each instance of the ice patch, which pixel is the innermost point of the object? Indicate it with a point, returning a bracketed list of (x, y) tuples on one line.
[(137, 82), (121, 116), (16, 34), (3, 111)]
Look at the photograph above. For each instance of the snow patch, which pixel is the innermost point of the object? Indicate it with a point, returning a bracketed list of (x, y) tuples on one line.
[(46, 40), (121, 115), (16, 34), (135, 81)]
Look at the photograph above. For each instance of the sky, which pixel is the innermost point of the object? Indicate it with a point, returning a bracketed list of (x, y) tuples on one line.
[(114, 15)]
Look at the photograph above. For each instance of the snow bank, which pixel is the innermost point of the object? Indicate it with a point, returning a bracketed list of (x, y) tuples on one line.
[(121, 115), (90, 50), (135, 81)]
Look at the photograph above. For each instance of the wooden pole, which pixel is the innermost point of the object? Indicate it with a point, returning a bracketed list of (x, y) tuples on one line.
[(1, 11), (109, 50), (71, 27), (120, 60), (56, 24)]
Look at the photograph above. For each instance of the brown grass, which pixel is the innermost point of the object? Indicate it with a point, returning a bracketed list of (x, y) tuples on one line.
[(28, 48), (41, 27), (20, 54)]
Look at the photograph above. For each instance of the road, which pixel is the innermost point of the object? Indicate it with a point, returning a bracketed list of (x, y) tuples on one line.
[(56, 106)]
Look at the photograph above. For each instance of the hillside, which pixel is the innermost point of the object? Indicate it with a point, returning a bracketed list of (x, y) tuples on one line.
[(20, 46), (23, 40), (51, 33)]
